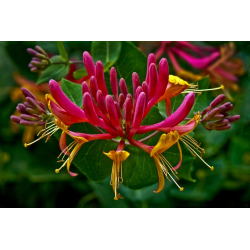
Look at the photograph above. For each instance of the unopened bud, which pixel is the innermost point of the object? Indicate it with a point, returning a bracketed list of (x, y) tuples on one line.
[(15, 119), (219, 99), (233, 118), (39, 49)]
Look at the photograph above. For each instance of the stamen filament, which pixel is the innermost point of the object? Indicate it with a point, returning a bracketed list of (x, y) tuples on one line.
[(192, 150)]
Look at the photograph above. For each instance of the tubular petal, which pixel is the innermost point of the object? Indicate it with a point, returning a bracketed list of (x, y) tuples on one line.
[(139, 110), (89, 64), (153, 80), (160, 174), (151, 59), (179, 115), (113, 83), (123, 87), (64, 101), (93, 86), (100, 78)]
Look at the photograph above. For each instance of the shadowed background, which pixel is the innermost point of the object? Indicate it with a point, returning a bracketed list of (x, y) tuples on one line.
[(27, 175)]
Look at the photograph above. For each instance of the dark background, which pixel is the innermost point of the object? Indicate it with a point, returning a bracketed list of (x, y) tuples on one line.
[(28, 179)]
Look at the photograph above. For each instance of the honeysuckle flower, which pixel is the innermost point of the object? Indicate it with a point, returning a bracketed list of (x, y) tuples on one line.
[(217, 118), (78, 140), (33, 112), (118, 117), (118, 157), (40, 60), (216, 62)]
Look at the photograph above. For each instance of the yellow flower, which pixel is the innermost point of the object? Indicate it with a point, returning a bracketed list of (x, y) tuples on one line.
[(118, 157), (76, 145), (162, 164)]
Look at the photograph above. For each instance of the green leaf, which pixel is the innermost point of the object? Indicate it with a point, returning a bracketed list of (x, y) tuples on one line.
[(73, 91), (106, 52), (54, 71), (131, 60), (78, 74), (62, 51), (90, 159)]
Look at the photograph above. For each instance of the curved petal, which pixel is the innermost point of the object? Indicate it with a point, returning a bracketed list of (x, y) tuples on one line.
[(178, 116), (63, 115), (64, 101), (63, 143), (160, 174)]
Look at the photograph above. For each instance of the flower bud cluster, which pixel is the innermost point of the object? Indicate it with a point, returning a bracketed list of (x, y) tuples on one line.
[(33, 112), (40, 59), (217, 118)]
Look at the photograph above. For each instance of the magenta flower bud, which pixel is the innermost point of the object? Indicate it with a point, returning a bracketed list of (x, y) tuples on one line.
[(151, 59), (121, 101), (35, 105), (32, 123), (113, 83), (219, 99), (205, 111), (163, 78), (32, 52), (145, 90), (36, 59), (93, 86), (22, 108), (27, 93), (89, 64), (101, 103), (138, 115), (90, 111), (85, 88), (218, 123), (128, 108), (30, 65), (34, 69), (39, 49), (27, 105), (36, 64), (229, 108), (137, 93), (233, 118), (32, 111), (226, 127), (123, 87), (136, 83), (15, 119), (42, 105), (153, 79), (30, 118), (113, 114), (100, 78), (214, 118), (212, 113), (120, 117)]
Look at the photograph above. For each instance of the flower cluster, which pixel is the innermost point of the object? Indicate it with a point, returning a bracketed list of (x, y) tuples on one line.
[(216, 62), (40, 60), (118, 117)]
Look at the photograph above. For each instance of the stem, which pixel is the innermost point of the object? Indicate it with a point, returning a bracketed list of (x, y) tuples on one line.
[(116, 141), (148, 137), (70, 62)]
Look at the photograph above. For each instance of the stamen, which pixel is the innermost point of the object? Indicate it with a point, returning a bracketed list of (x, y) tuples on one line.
[(201, 90), (193, 151), (162, 158), (181, 188), (47, 132)]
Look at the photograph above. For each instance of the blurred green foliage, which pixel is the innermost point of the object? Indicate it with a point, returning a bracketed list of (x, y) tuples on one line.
[(28, 179)]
